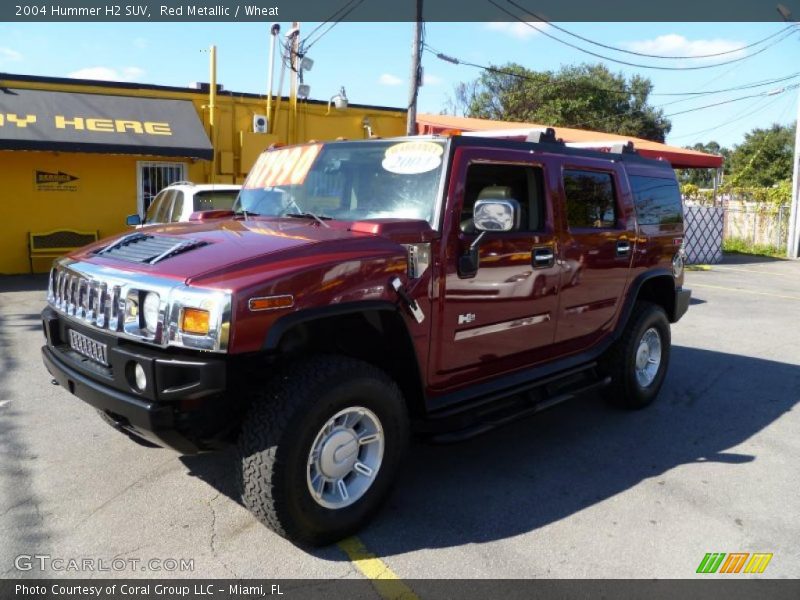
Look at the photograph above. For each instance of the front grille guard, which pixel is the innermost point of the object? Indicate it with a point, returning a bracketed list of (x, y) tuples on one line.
[(99, 297)]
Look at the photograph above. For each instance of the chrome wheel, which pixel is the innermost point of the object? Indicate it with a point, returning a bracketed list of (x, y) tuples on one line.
[(345, 457), (648, 357)]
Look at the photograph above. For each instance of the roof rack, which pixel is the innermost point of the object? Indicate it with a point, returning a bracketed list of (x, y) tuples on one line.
[(536, 136), (610, 146)]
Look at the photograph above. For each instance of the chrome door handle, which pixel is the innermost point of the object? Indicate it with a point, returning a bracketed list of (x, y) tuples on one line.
[(623, 248)]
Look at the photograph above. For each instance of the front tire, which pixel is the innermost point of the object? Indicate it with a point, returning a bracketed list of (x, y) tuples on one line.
[(638, 361), (320, 448)]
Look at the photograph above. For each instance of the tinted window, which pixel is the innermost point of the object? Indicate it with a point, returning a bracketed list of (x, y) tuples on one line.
[(163, 211), (156, 207), (177, 207), (523, 184), (215, 200), (658, 201), (590, 199)]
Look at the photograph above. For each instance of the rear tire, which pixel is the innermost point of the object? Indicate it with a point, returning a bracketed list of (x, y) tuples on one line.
[(638, 361), (320, 447)]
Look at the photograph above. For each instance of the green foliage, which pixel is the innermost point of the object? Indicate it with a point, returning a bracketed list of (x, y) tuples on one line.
[(583, 96), (741, 246), (704, 178), (764, 158), (768, 199)]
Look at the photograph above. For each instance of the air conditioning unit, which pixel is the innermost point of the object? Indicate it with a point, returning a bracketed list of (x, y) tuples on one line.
[(260, 123)]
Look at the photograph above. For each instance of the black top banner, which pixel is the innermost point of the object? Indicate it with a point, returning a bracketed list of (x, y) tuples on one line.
[(400, 10), (72, 122)]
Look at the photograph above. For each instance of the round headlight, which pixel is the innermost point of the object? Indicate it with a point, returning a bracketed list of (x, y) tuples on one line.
[(150, 309)]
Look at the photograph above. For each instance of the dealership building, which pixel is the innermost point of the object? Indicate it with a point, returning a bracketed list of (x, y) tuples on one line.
[(78, 156)]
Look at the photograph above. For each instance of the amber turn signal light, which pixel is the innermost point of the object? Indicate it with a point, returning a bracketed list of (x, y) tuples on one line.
[(271, 302), (195, 321)]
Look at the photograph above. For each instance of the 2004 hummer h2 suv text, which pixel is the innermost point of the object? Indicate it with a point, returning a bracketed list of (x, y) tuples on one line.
[(362, 290)]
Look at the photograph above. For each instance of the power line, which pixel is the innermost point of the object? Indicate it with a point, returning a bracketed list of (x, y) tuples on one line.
[(781, 91), (617, 49), (630, 64), (457, 61), (738, 117), (333, 16)]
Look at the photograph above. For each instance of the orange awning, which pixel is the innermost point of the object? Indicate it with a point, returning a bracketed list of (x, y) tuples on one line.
[(680, 158)]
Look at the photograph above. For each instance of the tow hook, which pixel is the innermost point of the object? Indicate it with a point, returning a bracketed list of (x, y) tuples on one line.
[(412, 305)]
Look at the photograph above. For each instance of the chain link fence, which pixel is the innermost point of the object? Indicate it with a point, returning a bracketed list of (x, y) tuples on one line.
[(733, 223)]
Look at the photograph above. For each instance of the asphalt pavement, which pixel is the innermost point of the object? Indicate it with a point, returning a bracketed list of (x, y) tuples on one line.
[(579, 491)]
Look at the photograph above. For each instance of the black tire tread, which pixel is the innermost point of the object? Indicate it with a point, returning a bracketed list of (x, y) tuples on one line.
[(275, 406), (614, 361)]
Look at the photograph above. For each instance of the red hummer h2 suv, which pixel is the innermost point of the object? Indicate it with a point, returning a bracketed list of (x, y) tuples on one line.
[(363, 290)]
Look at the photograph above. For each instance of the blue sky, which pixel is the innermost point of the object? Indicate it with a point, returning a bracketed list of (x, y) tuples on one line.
[(372, 61)]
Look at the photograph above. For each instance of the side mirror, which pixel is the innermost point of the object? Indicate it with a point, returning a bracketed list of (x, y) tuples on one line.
[(133, 220), (496, 215), (502, 214)]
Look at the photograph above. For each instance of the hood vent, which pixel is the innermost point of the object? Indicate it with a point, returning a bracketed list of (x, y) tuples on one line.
[(148, 249)]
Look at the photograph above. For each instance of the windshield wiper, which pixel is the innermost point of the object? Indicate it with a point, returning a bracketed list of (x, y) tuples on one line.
[(310, 215)]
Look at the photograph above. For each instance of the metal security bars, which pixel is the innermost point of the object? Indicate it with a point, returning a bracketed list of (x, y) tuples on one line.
[(152, 177)]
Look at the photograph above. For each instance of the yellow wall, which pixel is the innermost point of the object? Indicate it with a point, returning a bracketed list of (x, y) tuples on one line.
[(103, 194), (106, 189)]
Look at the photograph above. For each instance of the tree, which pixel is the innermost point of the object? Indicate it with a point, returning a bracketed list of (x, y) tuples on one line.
[(764, 158), (704, 178), (584, 96)]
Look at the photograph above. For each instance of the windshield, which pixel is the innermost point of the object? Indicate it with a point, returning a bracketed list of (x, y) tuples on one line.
[(346, 180)]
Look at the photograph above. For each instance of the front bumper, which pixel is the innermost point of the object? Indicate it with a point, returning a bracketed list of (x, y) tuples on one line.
[(181, 405), (682, 298)]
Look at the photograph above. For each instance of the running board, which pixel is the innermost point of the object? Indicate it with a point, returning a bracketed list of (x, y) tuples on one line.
[(515, 407)]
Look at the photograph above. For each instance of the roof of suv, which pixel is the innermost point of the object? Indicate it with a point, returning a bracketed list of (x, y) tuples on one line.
[(204, 187)]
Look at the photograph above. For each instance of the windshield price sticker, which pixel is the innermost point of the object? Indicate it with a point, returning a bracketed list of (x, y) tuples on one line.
[(287, 166), (412, 158)]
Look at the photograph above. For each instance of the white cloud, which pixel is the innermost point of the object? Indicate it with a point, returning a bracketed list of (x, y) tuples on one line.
[(517, 29), (141, 43), (673, 44), (9, 55), (388, 79), (431, 79), (108, 73)]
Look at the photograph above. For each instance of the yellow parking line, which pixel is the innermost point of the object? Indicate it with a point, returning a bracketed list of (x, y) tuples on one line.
[(384, 580), (730, 289), (739, 269)]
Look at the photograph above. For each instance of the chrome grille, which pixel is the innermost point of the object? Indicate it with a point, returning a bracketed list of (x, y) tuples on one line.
[(108, 299), (96, 302)]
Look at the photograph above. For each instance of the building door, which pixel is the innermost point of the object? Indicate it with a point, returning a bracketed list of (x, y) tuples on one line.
[(152, 177)]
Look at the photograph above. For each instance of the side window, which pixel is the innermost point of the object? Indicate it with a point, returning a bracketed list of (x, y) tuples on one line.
[(525, 184), (177, 207), (590, 199), (162, 216), (155, 207), (657, 200)]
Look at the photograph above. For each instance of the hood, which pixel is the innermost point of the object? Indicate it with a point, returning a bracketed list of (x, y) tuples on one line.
[(194, 251)]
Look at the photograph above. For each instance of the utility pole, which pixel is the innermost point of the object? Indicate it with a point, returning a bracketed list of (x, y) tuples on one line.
[(793, 242), (416, 72), (294, 47)]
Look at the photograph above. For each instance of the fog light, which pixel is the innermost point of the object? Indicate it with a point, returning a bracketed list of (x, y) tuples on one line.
[(139, 377)]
